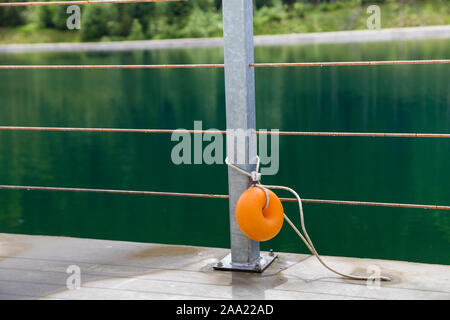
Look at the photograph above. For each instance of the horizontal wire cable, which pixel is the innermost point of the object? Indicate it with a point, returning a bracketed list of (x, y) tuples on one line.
[(365, 134), (368, 203), (286, 133), (223, 196), (147, 193), (75, 2), (221, 65), (347, 63), (63, 129), (118, 66)]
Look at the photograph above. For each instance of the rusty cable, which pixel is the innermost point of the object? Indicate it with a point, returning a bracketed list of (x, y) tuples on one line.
[(262, 132), (75, 2), (347, 63), (221, 65), (115, 66), (222, 196)]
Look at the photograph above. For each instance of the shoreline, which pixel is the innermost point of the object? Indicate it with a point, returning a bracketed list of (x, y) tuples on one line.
[(354, 36)]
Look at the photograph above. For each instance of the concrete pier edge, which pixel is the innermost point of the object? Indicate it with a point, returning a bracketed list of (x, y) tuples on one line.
[(40, 267)]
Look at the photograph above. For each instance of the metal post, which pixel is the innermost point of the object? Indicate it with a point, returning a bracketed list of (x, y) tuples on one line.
[(240, 113)]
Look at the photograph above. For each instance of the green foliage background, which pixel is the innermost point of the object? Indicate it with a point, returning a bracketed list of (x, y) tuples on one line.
[(202, 18)]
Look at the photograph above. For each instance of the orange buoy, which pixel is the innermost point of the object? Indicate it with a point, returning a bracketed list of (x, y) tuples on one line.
[(256, 222)]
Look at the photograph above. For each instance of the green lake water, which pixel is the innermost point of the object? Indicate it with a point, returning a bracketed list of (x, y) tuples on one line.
[(410, 98)]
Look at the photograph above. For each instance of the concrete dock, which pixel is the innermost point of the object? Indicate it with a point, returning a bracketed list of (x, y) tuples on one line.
[(39, 267)]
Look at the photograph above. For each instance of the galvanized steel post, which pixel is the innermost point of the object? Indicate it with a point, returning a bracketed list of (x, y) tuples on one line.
[(240, 114)]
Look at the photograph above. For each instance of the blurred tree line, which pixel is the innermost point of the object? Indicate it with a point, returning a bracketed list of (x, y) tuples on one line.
[(193, 18)]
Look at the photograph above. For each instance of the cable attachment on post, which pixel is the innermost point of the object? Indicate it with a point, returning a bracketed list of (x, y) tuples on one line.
[(254, 175)]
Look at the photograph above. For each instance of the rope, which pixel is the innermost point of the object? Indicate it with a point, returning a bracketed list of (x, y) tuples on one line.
[(282, 133), (306, 239), (80, 2), (204, 65)]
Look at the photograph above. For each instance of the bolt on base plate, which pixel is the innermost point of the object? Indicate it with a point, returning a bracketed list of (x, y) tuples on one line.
[(259, 265)]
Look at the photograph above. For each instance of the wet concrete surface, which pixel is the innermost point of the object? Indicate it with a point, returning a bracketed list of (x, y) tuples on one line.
[(35, 267)]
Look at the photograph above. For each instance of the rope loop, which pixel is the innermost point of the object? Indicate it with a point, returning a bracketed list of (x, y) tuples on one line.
[(254, 175)]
